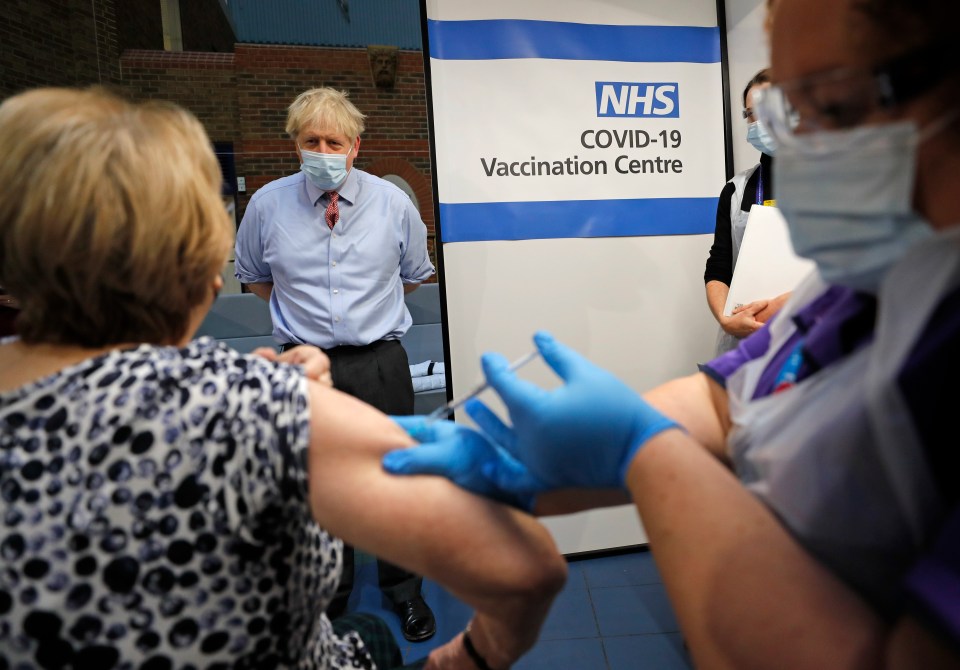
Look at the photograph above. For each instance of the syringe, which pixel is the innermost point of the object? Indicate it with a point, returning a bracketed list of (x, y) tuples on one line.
[(446, 410)]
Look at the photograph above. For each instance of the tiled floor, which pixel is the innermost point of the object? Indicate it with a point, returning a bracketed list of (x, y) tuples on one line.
[(613, 614)]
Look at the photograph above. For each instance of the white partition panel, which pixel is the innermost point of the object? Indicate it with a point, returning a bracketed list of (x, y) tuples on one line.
[(633, 305), (579, 150)]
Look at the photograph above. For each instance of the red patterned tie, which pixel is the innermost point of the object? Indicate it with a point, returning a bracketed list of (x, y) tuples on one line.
[(333, 210)]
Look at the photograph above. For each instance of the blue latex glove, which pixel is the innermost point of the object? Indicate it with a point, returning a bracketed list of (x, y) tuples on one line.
[(465, 457), (583, 434)]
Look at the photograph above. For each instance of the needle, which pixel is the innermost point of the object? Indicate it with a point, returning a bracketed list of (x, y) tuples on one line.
[(446, 410)]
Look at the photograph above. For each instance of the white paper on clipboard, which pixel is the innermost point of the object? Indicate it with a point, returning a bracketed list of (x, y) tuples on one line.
[(767, 265)]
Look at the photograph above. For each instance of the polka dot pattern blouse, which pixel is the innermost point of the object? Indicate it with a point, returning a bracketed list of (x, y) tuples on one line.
[(154, 515)]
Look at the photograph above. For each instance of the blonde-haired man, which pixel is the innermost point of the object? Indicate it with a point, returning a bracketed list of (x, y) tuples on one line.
[(333, 249)]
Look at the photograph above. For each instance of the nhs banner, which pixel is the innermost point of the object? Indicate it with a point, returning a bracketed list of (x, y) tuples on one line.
[(639, 99), (579, 119)]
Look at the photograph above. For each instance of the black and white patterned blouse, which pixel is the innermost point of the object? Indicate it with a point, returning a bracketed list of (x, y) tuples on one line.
[(155, 515)]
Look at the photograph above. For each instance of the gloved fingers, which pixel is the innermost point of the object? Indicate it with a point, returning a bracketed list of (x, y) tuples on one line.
[(515, 392), (415, 426), (490, 424), (436, 458), (506, 472), (515, 483), (563, 360), (418, 428)]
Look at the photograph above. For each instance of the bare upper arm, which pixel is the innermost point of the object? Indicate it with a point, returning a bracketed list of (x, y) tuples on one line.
[(700, 405), (475, 547)]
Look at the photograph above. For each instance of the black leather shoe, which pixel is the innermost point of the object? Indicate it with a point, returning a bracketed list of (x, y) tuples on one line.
[(416, 619)]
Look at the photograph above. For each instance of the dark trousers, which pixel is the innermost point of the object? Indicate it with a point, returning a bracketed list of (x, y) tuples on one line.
[(379, 375)]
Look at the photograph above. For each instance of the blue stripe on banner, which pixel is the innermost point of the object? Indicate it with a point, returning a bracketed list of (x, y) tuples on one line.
[(480, 222), (513, 38)]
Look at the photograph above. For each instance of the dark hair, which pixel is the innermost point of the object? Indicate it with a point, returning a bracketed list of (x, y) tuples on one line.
[(762, 77), (913, 22), (902, 26)]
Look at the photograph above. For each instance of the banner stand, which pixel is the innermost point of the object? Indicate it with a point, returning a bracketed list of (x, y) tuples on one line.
[(578, 151)]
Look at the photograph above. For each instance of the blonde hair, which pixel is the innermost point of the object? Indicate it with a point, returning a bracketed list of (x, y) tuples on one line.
[(327, 107), (112, 227)]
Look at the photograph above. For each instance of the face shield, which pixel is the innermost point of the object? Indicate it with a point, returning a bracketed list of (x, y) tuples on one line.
[(843, 99)]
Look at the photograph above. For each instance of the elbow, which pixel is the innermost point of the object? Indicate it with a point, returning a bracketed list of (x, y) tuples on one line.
[(530, 579), (543, 579), (553, 575), (526, 608)]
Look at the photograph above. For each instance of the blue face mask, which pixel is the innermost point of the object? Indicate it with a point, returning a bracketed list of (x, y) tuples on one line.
[(325, 171), (760, 138), (847, 197)]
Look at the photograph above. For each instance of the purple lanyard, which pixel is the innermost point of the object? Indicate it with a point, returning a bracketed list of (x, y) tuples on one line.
[(788, 374), (760, 186)]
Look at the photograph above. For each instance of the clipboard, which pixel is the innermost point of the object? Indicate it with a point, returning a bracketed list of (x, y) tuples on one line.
[(767, 265)]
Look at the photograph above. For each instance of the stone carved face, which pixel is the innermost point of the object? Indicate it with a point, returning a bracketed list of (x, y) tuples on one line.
[(383, 65)]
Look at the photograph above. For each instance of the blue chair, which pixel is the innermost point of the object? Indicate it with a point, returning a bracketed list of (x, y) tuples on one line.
[(241, 321), (424, 341)]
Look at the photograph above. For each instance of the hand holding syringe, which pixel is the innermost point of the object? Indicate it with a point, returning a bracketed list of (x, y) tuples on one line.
[(446, 410)]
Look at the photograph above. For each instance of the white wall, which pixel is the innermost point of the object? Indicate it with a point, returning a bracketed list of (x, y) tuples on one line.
[(747, 51)]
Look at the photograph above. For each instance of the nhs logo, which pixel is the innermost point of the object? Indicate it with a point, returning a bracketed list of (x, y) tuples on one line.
[(620, 98)]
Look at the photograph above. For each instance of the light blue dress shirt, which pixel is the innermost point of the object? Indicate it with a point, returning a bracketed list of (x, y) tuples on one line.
[(340, 286)]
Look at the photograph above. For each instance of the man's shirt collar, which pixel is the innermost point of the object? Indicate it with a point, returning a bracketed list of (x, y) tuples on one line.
[(348, 189)]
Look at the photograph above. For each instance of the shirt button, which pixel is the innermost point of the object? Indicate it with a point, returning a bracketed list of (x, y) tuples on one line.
[(334, 264), (336, 290), (337, 319)]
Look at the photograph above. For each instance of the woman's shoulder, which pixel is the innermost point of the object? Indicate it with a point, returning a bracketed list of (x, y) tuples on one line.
[(243, 381), (203, 363), (206, 357)]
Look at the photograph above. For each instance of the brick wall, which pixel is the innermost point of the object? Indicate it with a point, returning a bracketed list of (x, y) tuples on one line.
[(56, 43), (204, 83), (269, 77), (240, 97)]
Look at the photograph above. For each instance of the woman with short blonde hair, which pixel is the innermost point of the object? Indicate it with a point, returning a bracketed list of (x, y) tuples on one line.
[(99, 245), (170, 502)]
